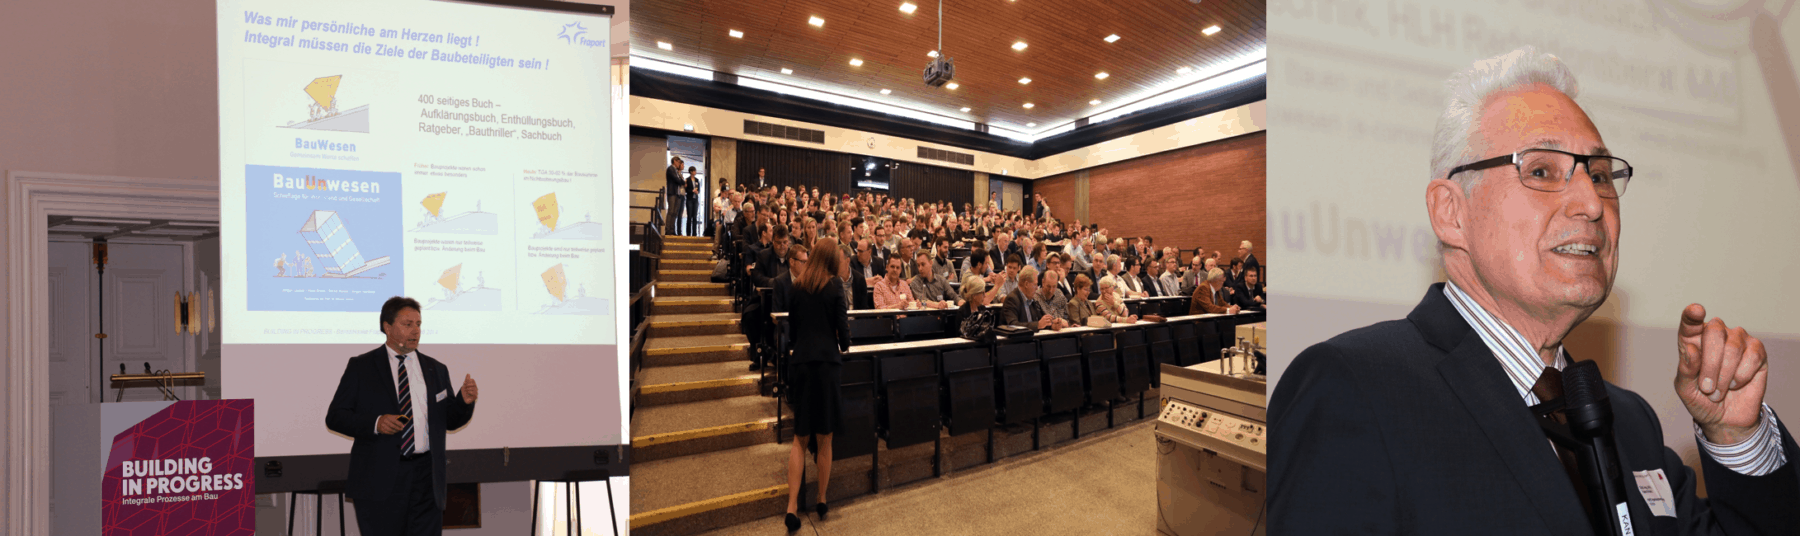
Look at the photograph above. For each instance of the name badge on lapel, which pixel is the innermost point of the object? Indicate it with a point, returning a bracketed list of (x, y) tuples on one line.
[(441, 395), (1654, 486)]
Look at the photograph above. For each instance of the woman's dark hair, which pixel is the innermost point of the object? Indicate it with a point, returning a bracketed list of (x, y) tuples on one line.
[(821, 266)]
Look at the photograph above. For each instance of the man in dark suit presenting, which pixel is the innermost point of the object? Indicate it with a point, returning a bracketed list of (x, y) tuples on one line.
[(1433, 424), (396, 403)]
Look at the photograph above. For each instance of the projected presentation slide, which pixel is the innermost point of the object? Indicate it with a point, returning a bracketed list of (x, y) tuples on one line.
[(459, 154)]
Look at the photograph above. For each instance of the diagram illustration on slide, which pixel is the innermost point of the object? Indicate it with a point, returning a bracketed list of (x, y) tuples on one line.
[(322, 111), (331, 245), (435, 220), (459, 297), (549, 215), (556, 282), (329, 238)]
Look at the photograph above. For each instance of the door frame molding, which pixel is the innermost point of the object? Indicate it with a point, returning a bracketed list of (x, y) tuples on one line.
[(31, 198)]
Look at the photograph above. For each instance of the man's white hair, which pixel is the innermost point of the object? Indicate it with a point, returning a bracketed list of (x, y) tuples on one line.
[(1470, 90)]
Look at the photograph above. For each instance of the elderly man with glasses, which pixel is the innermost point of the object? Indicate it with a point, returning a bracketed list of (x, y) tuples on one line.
[(1453, 420)]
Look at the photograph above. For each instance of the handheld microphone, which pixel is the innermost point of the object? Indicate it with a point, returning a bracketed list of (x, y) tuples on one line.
[(1590, 419)]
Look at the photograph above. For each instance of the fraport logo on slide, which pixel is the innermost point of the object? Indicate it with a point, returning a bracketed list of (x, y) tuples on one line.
[(572, 33)]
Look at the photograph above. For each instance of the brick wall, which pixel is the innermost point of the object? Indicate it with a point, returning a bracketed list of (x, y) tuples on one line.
[(1211, 195)]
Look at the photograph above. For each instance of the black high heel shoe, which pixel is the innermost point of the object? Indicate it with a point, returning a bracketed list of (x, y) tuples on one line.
[(793, 523), (821, 509)]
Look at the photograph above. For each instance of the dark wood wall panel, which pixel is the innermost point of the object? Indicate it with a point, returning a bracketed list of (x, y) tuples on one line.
[(1212, 196), (794, 166), (928, 184)]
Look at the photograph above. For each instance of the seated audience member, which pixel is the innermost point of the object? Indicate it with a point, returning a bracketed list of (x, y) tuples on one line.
[(796, 258), (1111, 305), (930, 289), (862, 275), (1053, 301), (1150, 278), (1250, 294), (1011, 282), (974, 318), (1021, 309), (1171, 277), (892, 292), (1080, 305), (1131, 281), (1210, 297)]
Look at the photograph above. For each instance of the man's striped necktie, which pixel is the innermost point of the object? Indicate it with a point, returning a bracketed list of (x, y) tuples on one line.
[(406, 434)]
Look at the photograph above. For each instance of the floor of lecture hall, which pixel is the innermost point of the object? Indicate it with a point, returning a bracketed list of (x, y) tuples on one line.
[(1101, 484)]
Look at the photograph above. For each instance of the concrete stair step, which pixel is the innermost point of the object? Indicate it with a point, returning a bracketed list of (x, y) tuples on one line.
[(673, 274), (688, 428), (678, 239), (686, 325), (692, 383), (669, 351), (671, 288), (687, 305), (687, 264), (694, 494)]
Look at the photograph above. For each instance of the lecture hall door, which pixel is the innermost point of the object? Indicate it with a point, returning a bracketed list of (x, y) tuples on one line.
[(141, 281)]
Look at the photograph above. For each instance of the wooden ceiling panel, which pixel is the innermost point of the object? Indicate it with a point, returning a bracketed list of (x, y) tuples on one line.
[(1064, 37)]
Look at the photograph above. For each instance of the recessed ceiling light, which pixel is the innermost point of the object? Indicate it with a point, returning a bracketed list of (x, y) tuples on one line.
[(664, 45), (1030, 105), (815, 21), (907, 7), (965, 109), (1184, 70), (1019, 45), (1101, 75), (1094, 102), (931, 54), (785, 70), (1024, 80), (1111, 38), (1211, 30), (1031, 124), (886, 91), (737, 34), (856, 62), (952, 85)]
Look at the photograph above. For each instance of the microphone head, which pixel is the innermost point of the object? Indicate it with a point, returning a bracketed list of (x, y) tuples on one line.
[(1588, 409)]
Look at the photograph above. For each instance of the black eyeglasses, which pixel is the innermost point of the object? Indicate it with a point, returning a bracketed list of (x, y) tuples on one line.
[(1550, 170)]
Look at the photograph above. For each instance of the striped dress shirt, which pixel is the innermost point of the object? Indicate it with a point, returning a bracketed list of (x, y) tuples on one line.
[(1759, 455)]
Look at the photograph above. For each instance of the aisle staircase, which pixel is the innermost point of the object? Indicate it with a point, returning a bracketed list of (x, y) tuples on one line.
[(705, 450)]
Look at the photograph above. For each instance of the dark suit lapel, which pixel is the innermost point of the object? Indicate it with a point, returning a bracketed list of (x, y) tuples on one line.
[(1478, 381)]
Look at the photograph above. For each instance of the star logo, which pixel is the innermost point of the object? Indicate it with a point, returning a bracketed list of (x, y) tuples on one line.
[(572, 32)]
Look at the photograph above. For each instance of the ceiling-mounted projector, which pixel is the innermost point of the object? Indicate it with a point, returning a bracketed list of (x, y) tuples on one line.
[(940, 71)]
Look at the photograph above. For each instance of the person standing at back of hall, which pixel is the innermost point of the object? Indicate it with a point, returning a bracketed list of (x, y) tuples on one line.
[(673, 196), (819, 326), (693, 201)]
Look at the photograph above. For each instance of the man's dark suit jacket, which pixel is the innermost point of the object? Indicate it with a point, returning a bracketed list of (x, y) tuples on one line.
[(1245, 297), (770, 264), (1013, 314), (364, 394), (819, 325), (676, 184), (1250, 263), (863, 298), (784, 286), (1412, 427), (1151, 285)]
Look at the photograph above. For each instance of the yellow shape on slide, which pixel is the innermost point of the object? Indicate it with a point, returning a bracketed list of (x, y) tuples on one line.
[(554, 281), (546, 210), (450, 277), (323, 89), (434, 202)]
